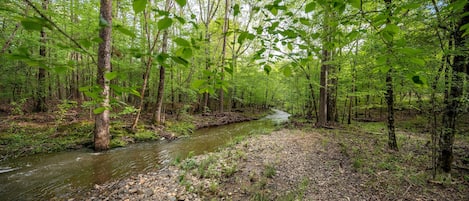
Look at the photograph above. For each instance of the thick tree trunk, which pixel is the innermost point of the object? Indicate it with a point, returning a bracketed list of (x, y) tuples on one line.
[(453, 99), (101, 132), (389, 95), (322, 119), (41, 78)]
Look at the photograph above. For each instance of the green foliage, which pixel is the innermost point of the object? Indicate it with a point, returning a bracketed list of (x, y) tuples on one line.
[(145, 136), (139, 5), (180, 127), (117, 142)]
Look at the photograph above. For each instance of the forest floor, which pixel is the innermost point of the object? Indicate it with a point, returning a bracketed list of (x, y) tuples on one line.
[(346, 163), (72, 129)]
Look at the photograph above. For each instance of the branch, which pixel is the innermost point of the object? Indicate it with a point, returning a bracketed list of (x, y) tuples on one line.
[(59, 29)]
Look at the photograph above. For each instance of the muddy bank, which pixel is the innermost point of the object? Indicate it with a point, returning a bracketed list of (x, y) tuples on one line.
[(219, 119)]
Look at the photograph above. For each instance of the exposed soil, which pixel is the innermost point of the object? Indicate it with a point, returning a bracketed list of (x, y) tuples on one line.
[(285, 165)]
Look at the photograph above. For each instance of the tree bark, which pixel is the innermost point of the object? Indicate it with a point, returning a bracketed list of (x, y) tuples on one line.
[(223, 53), (389, 95), (159, 98), (322, 120), (453, 99), (41, 77), (101, 132)]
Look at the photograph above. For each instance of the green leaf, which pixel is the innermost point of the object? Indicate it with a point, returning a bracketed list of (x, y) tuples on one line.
[(139, 5), (186, 53), (124, 31), (161, 58), (416, 79), (465, 28), (356, 3), (287, 71), (310, 7), (33, 23), (410, 51), (392, 29), (180, 60), (229, 70), (274, 11), (267, 69), (181, 3), (242, 36), (165, 23), (135, 92), (198, 83), (99, 110), (111, 75), (236, 10), (417, 61), (182, 42)]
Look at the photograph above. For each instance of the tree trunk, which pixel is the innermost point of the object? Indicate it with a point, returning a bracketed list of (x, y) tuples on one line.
[(146, 75), (159, 98), (223, 53), (389, 96), (41, 78), (453, 100), (101, 132), (322, 120)]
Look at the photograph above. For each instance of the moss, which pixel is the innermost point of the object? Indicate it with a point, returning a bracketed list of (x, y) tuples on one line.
[(117, 142), (145, 136)]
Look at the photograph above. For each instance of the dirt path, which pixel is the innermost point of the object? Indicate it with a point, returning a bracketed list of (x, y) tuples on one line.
[(285, 165)]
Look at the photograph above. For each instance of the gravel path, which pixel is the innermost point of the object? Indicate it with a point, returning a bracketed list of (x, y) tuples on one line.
[(284, 165)]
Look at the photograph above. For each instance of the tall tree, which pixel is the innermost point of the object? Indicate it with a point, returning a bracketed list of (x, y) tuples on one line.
[(322, 118), (101, 131), (460, 69), (389, 96), (160, 94), (41, 77), (223, 52)]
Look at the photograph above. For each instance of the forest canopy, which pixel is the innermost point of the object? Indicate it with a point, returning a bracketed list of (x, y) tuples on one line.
[(332, 61)]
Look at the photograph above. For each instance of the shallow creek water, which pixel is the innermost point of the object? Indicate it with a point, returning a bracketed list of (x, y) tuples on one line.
[(64, 174)]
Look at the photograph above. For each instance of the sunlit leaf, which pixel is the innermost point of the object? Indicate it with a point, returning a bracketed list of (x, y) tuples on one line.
[(182, 42), (139, 5), (99, 110), (111, 75), (356, 3)]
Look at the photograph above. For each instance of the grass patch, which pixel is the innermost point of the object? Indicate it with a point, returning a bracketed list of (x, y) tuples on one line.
[(145, 136), (269, 171), (181, 128)]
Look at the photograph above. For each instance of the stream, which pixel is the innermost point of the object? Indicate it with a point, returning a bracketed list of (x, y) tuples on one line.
[(62, 175)]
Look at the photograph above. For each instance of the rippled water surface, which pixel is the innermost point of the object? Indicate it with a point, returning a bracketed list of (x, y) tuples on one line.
[(65, 174)]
